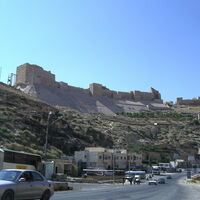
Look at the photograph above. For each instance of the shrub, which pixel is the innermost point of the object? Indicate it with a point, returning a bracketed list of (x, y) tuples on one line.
[(195, 122)]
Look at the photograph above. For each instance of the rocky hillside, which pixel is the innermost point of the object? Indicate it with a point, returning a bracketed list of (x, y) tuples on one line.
[(159, 135)]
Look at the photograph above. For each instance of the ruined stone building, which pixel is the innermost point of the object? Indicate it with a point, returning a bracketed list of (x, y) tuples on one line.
[(188, 102), (35, 81)]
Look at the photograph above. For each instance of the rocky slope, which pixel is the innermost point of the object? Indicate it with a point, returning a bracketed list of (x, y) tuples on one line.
[(159, 135)]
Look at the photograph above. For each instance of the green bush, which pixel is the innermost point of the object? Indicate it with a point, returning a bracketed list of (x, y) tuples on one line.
[(159, 115), (195, 122), (139, 148)]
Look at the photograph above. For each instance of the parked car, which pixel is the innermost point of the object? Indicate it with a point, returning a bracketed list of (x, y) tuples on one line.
[(108, 173), (161, 181), (169, 177), (153, 182), (16, 184)]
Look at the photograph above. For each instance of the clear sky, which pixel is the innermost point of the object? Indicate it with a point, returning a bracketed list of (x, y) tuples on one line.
[(125, 45)]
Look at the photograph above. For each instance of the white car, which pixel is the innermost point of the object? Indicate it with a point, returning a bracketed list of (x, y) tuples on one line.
[(153, 182), (18, 184)]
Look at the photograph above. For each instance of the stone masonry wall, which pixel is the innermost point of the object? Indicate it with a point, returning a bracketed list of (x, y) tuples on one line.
[(33, 74), (21, 75), (143, 96), (98, 90), (29, 74), (181, 101)]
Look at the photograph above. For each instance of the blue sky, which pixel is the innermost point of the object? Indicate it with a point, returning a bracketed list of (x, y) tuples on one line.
[(125, 45)]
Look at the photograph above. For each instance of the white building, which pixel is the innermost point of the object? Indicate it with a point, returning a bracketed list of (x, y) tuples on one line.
[(98, 157)]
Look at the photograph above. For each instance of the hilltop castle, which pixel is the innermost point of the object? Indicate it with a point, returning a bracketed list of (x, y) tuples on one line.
[(34, 80)]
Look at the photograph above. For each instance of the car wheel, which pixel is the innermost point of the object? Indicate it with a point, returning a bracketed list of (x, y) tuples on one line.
[(46, 195), (8, 195)]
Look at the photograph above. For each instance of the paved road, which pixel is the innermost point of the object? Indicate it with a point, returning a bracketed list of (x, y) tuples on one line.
[(174, 189)]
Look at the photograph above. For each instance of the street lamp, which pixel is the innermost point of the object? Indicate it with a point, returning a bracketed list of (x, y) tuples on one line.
[(47, 132)]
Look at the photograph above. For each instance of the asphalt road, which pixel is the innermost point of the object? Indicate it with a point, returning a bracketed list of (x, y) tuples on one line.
[(174, 189)]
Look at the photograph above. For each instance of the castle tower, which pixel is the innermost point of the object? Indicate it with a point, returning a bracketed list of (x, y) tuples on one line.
[(29, 74)]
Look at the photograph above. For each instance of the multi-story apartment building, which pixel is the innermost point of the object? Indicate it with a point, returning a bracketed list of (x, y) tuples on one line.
[(98, 157)]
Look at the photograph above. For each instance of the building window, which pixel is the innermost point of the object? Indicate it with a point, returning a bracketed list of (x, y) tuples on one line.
[(100, 157)]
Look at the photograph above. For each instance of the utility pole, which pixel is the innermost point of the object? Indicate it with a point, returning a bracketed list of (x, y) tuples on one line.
[(47, 133), (113, 166)]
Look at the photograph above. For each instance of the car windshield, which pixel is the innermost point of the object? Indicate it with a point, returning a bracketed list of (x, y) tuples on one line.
[(9, 175)]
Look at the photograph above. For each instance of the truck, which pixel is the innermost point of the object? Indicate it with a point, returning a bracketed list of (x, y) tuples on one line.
[(155, 170), (132, 174)]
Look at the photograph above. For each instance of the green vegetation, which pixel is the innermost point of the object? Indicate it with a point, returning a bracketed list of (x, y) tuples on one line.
[(160, 115), (195, 122), (148, 148)]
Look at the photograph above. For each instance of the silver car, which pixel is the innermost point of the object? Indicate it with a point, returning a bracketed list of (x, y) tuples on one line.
[(18, 184), (153, 182)]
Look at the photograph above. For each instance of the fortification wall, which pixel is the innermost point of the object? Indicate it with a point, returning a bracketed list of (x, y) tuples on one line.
[(155, 93), (33, 74), (21, 75), (78, 89), (63, 85), (29, 74), (98, 90), (139, 96), (181, 101), (124, 95)]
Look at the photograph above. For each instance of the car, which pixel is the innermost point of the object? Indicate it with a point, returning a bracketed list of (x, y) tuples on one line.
[(161, 181), (153, 182), (108, 173), (169, 177), (18, 184)]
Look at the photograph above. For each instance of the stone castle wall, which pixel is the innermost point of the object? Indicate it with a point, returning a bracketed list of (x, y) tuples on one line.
[(181, 101), (32, 74), (99, 90), (143, 96)]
